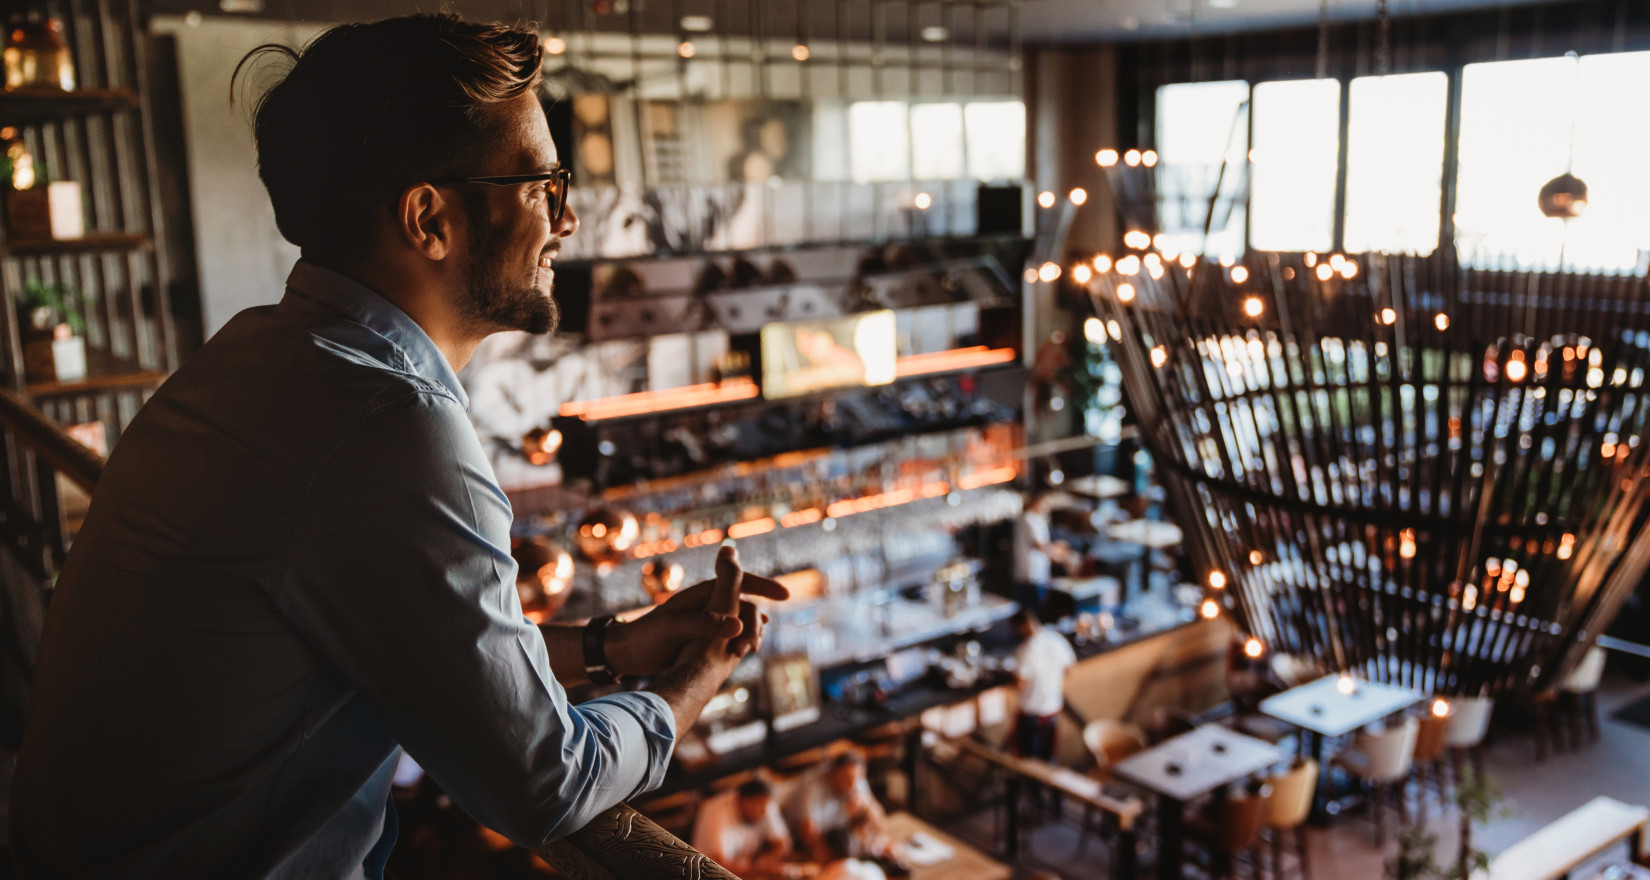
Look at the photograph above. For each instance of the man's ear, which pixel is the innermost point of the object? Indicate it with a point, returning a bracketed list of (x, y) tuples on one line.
[(424, 218)]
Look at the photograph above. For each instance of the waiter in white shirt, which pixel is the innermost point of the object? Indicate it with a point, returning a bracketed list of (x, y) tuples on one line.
[(742, 830), (1035, 551), (1040, 663)]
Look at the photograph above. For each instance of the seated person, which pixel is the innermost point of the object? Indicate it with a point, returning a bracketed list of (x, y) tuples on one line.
[(742, 831), (841, 859), (835, 796)]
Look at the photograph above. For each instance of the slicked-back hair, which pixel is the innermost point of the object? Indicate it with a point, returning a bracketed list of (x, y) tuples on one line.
[(366, 110)]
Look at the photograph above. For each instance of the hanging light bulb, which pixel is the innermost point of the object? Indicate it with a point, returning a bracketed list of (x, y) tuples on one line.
[(1441, 321), (1253, 307), (1324, 272), (1125, 292), (1440, 708), (1129, 265), (1049, 272), (1253, 648), (1078, 196), (1105, 158), (1217, 580), (1131, 158), (1256, 557), (1137, 239), (1564, 197), (1160, 356), (923, 201), (1045, 198), (554, 45), (1239, 274), (1149, 158), (801, 52), (1101, 263), (1210, 609), (1094, 331), (1081, 273), (686, 49)]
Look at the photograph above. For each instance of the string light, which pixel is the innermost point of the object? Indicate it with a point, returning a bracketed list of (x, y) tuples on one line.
[(1137, 239), (1440, 708), (1516, 370), (1030, 275), (1336, 261), (1131, 158), (1311, 259), (1081, 273), (1253, 648), (1046, 199), (1210, 610), (554, 45), (923, 201), (800, 52), (1349, 270), (1441, 321), (1102, 263), (1217, 580), (1324, 272), (1115, 329), (1049, 272), (1406, 543), (1160, 356), (1149, 158), (1239, 274), (1129, 265), (1105, 158), (1256, 557), (1093, 330), (1187, 261), (686, 49), (1389, 317), (1078, 196), (1253, 307), (1125, 292)]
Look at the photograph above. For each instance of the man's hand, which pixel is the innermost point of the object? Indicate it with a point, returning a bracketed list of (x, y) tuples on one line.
[(703, 663), (662, 637)]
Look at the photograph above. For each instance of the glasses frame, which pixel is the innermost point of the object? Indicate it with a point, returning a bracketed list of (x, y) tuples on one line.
[(562, 178)]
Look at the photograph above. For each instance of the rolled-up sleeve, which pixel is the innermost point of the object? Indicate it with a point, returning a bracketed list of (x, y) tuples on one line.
[(399, 574)]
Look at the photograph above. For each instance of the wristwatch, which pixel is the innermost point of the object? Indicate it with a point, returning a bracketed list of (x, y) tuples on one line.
[(595, 650)]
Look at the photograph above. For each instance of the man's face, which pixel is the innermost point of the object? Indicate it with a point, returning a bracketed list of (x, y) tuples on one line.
[(845, 778), (511, 238), (752, 809)]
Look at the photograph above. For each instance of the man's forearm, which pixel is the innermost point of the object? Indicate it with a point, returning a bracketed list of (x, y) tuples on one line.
[(688, 686), (565, 642)]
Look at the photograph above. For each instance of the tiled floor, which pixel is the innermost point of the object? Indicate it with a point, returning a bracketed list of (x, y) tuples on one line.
[(1536, 793)]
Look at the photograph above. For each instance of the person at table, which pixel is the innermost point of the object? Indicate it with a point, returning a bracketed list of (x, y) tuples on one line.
[(1040, 664), (833, 797), (1036, 551), (842, 861), (742, 830)]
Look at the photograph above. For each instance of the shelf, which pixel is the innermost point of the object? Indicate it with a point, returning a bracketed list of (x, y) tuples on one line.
[(104, 372), (96, 241), (26, 107)]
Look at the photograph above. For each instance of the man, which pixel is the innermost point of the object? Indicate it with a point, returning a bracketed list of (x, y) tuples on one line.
[(297, 560), (1035, 550), (741, 830), (1040, 664), (842, 860), (835, 797)]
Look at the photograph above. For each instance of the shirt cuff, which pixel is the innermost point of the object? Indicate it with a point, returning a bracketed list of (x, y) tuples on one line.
[(658, 729)]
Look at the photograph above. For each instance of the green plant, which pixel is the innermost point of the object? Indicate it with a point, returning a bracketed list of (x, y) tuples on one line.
[(1480, 802), (64, 304), (1414, 860)]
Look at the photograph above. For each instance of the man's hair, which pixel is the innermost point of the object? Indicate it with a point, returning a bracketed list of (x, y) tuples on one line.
[(850, 758), (840, 844), (1026, 617), (754, 788), (366, 110)]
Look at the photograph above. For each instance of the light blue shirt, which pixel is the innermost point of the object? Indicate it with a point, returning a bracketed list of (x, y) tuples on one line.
[(298, 561)]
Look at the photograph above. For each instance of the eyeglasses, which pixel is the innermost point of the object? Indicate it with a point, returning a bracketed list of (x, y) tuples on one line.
[(556, 184)]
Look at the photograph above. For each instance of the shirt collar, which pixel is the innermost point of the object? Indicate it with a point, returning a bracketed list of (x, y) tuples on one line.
[(372, 310)]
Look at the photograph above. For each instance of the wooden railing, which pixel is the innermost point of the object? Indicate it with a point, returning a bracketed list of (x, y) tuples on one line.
[(622, 844), (36, 451)]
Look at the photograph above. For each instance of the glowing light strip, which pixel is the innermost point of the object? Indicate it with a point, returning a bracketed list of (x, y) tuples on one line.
[(752, 527), (955, 359), (660, 401)]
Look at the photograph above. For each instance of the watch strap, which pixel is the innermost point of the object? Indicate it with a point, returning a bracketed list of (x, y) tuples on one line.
[(595, 650)]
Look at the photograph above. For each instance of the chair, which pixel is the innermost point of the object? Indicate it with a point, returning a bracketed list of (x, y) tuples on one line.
[(1287, 810), (1427, 761), (1582, 685), (1469, 722), (1111, 741), (1231, 827), (1382, 760)]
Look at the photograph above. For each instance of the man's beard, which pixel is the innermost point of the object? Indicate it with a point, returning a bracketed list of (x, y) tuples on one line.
[(491, 298)]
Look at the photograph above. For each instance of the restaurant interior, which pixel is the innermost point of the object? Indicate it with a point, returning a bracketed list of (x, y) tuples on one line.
[(1200, 438)]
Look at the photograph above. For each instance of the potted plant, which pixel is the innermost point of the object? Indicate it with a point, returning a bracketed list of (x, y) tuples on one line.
[(52, 324)]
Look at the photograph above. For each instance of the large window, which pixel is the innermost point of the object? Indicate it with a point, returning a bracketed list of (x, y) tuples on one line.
[(898, 141), (1294, 164), (1395, 162), (1522, 124), (1526, 122), (1200, 126)]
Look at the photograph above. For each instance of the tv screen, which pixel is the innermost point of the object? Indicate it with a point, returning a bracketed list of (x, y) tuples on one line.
[(804, 357)]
